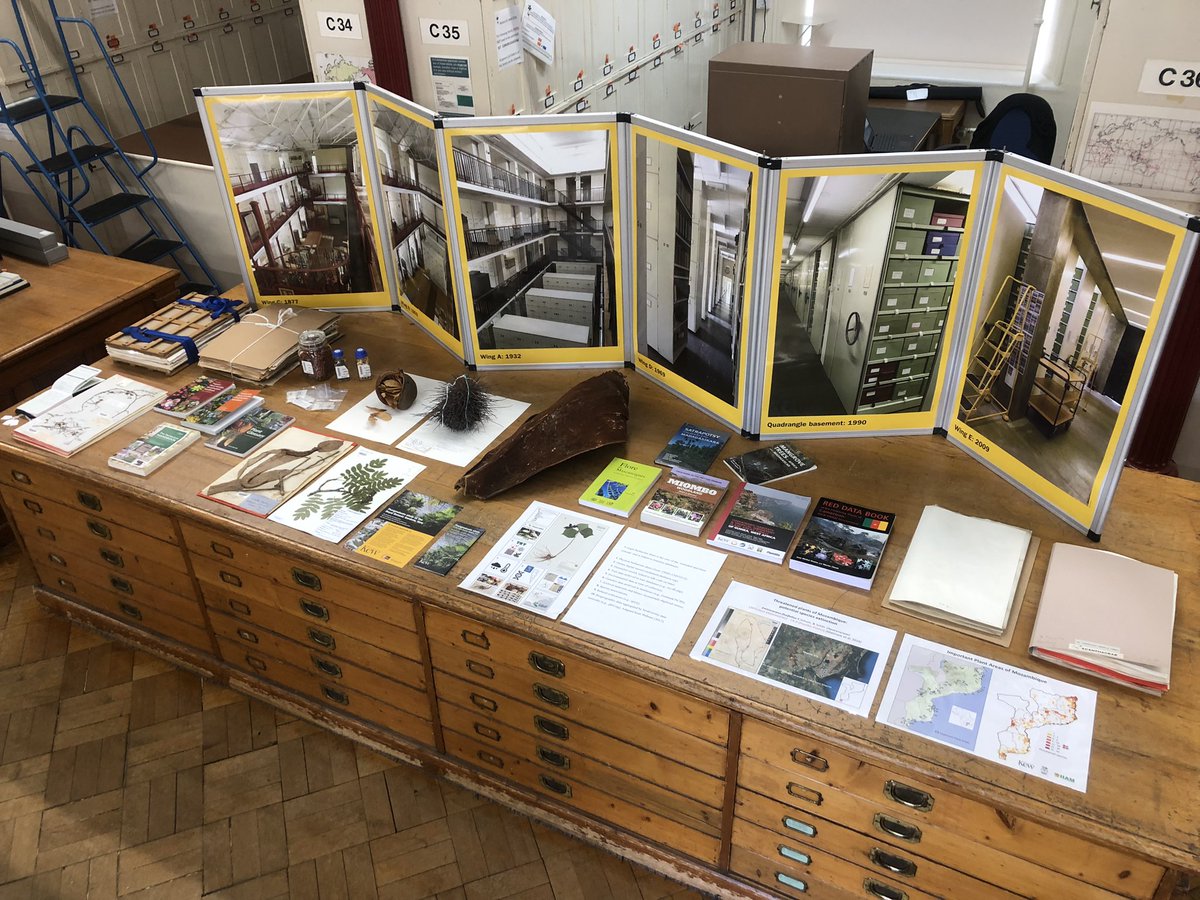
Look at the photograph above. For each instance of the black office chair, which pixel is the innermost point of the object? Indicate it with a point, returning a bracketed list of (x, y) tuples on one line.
[(1021, 124)]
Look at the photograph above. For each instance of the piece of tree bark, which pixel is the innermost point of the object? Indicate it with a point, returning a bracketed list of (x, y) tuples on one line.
[(592, 414)]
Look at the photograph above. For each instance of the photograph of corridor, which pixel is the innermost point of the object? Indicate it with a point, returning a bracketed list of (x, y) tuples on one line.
[(693, 222), (1068, 291), (295, 168), (537, 219), (866, 287), (406, 153)]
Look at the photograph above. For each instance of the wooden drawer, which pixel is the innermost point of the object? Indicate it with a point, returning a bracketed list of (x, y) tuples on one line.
[(325, 611), (321, 585), (541, 664), (775, 823), (562, 787), (617, 712), (666, 771), (114, 508), (981, 851), (403, 648), (320, 665), (412, 721), (158, 564), (796, 881)]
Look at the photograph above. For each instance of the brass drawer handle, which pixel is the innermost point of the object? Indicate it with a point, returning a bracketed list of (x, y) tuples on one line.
[(112, 558), (552, 696), (485, 731), (21, 477), (331, 669), (306, 579), (490, 758), (130, 610), (67, 585), (897, 829), (553, 758), (547, 665), (324, 638), (794, 883), (335, 695), (239, 607), (794, 855), (47, 533), (255, 663), (314, 609), (480, 669), (230, 578), (99, 529), (911, 797), (476, 639), (221, 549), (553, 784), (807, 794), (892, 862), (33, 506), (91, 501), (484, 702), (120, 584), (248, 636), (552, 728), (810, 758), (57, 560), (883, 891), (804, 828)]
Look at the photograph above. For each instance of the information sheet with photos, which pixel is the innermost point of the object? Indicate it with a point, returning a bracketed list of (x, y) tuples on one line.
[(646, 592), (543, 560), (1019, 719), (807, 650)]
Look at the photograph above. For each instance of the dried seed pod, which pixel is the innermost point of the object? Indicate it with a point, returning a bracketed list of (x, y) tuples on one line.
[(462, 404), (396, 389)]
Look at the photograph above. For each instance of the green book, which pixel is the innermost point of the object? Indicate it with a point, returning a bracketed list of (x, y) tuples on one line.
[(620, 487)]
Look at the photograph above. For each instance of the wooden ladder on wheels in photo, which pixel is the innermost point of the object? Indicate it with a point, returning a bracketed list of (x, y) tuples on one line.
[(991, 356)]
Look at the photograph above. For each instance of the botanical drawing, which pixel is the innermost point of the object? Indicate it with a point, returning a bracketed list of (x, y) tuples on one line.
[(355, 489)]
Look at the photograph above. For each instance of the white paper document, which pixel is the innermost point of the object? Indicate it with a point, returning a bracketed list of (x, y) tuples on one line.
[(459, 448), (646, 592), (369, 418), (537, 31), (807, 650), (508, 37), (1019, 719), (339, 499), (543, 560)]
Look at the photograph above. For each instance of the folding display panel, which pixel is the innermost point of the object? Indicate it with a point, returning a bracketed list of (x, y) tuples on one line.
[(537, 216), (292, 165), (415, 225), (693, 254), (1077, 287), (869, 260)]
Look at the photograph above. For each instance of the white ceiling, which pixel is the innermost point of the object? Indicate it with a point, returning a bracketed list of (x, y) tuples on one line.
[(407, 133), (557, 153), (286, 124)]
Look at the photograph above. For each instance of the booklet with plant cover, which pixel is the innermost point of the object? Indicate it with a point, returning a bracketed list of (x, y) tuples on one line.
[(760, 522), (403, 528), (693, 448), (620, 486)]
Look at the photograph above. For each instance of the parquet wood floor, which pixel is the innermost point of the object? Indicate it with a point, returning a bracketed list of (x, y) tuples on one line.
[(123, 777)]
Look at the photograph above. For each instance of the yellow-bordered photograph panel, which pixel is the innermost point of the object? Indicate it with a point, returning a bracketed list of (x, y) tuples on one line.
[(537, 211), (869, 263)]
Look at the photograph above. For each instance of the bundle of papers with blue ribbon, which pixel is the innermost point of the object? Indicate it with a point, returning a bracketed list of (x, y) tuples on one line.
[(171, 338)]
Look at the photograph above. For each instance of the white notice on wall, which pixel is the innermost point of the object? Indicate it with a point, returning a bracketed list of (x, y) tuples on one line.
[(98, 8), (1174, 77), (344, 25), (537, 31), (508, 37), (452, 85), (445, 31)]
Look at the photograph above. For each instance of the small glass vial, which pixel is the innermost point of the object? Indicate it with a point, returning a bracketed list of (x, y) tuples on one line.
[(340, 370), (364, 364), (316, 359)]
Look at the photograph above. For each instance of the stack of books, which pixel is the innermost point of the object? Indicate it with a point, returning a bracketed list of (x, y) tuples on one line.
[(264, 345), (685, 502), (194, 318)]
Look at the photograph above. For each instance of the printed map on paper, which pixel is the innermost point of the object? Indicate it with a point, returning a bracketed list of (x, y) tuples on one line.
[(1011, 716), (339, 67), (1144, 149)]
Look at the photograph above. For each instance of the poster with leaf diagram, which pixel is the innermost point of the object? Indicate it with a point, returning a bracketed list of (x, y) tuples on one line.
[(542, 561), (338, 500)]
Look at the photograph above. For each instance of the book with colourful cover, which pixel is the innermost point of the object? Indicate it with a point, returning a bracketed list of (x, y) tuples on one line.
[(620, 487), (252, 429), (760, 522), (193, 396), (153, 449), (843, 542), (216, 417), (402, 529), (451, 546), (772, 463), (692, 448), (80, 421), (684, 501)]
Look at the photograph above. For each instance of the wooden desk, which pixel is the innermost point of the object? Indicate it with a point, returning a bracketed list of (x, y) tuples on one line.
[(952, 113), (694, 771)]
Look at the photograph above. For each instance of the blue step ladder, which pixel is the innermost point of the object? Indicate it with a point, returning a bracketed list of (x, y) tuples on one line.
[(70, 190)]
